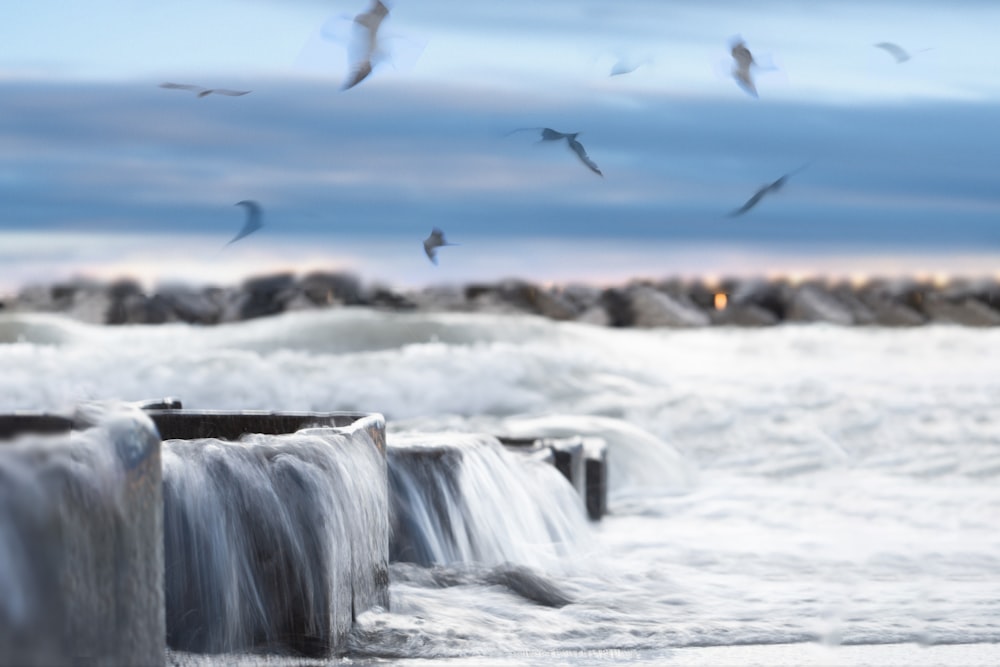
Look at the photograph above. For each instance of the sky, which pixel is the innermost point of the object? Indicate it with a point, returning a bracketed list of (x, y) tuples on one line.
[(104, 173)]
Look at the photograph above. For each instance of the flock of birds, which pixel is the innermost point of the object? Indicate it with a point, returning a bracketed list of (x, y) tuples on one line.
[(364, 51)]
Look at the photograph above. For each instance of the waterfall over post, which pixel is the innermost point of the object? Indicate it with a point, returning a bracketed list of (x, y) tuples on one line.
[(462, 498), (81, 548), (272, 542)]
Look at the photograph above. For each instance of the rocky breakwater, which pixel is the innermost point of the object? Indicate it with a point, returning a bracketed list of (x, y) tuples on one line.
[(755, 302)]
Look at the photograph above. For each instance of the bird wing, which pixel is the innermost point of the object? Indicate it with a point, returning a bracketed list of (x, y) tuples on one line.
[(753, 201), (180, 86), (231, 93), (429, 250), (253, 221), (548, 134), (373, 18), (771, 187), (745, 81), (360, 73), (894, 50), (363, 44), (582, 154)]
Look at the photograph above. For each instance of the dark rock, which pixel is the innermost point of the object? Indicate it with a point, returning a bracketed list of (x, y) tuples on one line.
[(812, 303), (703, 296), (860, 312), (327, 289), (893, 304), (124, 287), (386, 297), (140, 309), (618, 306), (987, 291), (968, 311), (771, 296), (652, 308), (531, 298), (194, 307), (745, 315), (267, 295), (552, 304), (438, 298)]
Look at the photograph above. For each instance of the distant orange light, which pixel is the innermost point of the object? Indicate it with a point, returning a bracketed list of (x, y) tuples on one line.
[(859, 280), (721, 300)]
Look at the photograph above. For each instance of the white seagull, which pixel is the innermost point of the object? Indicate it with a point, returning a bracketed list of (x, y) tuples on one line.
[(896, 51), (203, 92), (433, 242), (364, 43), (253, 221), (741, 68), (626, 65), (548, 134)]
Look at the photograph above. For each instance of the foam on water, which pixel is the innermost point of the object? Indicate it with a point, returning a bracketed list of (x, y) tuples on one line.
[(799, 483)]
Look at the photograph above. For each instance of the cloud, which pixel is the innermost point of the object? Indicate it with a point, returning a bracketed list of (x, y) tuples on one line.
[(398, 159)]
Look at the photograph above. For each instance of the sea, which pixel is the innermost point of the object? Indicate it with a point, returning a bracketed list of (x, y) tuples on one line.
[(794, 495)]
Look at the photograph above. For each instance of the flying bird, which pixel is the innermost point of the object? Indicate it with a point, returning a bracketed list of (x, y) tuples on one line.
[(364, 43), (433, 242), (253, 221), (627, 66), (203, 92), (741, 68), (548, 134), (896, 51), (765, 190)]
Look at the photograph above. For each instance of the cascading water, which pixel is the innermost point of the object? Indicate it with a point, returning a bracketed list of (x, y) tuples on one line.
[(81, 557), (462, 498), (273, 542)]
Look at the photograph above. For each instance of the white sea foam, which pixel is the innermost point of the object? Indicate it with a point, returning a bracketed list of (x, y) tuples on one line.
[(798, 483)]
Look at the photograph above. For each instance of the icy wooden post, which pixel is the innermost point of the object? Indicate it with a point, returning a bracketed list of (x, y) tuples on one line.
[(81, 539), (595, 452), (582, 461), (276, 528)]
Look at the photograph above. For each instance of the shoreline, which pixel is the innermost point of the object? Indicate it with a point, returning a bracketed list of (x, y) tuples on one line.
[(671, 302)]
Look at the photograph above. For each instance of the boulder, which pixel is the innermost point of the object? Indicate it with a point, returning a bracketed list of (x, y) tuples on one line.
[(744, 315), (893, 304), (618, 307), (653, 308), (192, 306), (328, 289), (267, 295), (771, 296), (968, 311), (812, 303)]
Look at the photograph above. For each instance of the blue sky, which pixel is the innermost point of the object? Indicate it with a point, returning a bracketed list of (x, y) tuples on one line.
[(103, 171)]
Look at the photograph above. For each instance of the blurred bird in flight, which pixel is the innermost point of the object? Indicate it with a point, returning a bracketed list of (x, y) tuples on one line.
[(253, 221), (548, 134), (627, 65), (765, 190), (741, 68), (896, 51), (433, 242), (363, 47), (203, 92)]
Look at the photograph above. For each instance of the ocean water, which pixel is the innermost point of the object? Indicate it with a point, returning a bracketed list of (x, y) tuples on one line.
[(800, 494)]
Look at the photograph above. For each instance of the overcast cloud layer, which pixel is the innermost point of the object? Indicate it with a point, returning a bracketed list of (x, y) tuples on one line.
[(901, 158)]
